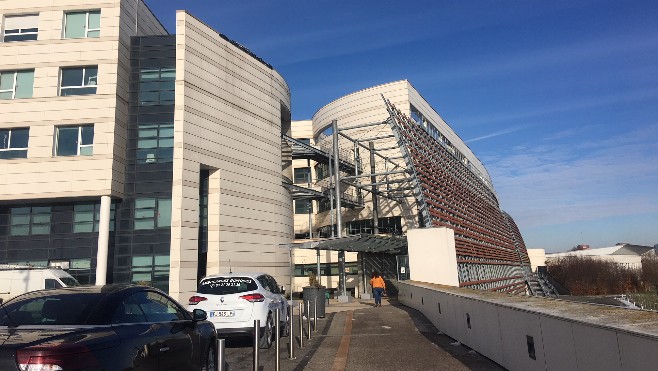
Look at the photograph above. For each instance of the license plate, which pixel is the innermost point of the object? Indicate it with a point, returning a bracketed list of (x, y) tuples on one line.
[(222, 313)]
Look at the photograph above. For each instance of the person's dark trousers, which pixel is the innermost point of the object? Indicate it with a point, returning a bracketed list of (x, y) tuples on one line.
[(378, 295)]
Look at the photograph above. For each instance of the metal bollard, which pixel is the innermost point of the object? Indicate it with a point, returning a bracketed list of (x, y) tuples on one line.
[(219, 356), (277, 318), (291, 333), (301, 325), (256, 343), (315, 316), (308, 318)]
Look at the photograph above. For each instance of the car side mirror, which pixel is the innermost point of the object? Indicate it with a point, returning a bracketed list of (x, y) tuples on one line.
[(199, 315)]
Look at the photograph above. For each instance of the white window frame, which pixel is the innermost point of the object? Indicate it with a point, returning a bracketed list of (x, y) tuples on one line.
[(84, 77), (15, 82), (87, 29), (9, 147), (79, 146), (20, 30)]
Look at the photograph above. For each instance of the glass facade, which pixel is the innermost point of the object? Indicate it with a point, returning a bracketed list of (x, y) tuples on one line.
[(144, 220)]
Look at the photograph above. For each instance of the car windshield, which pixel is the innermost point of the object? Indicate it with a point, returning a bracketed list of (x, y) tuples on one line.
[(68, 309), (227, 285)]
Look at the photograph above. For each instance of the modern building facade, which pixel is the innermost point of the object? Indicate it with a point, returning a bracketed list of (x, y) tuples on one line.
[(422, 175), (131, 155)]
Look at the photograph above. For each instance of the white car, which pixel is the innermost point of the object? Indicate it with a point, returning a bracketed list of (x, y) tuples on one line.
[(234, 300)]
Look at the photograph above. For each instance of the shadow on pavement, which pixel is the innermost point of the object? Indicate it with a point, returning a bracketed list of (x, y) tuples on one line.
[(468, 357)]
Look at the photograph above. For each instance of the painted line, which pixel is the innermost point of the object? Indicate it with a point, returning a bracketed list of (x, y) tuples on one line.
[(340, 361)]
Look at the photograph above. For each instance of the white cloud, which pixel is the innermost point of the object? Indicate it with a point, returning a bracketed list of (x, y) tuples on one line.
[(560, 183)]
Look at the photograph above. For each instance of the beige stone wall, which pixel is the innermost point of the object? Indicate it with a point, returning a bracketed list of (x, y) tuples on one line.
[(41, 174), (227, 119)]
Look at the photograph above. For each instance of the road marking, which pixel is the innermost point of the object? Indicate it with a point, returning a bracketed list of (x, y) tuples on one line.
[(340, 361)]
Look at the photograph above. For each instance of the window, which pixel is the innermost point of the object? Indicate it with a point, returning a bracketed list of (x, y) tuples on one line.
[(78, 80), (16, 84), (74, 140), (128, 311), (151, 270), (25, 221), (22, 27), (321, 171), (151, 213), (326, 269), (86, 217), (82, 24), (155, 143), (302, 175), (158, 308), (13, 143), (157, 86), (227, 285), (303, 206)]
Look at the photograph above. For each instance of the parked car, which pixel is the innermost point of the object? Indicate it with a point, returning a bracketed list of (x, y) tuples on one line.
[(112, 327), (19, 279), (234, 300)]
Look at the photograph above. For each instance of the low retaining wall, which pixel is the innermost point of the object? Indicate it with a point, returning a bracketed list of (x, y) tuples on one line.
[(533, 333)]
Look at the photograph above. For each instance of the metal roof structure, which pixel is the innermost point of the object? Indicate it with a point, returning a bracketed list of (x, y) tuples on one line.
[(358, 243)]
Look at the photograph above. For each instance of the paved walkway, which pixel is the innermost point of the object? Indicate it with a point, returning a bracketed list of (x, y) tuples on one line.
[(359, 336)]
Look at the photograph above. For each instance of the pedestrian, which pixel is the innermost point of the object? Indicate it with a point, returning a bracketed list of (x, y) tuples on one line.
[(378, 287)]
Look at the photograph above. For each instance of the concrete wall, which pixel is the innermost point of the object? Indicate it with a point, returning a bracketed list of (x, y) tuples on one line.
[(565, 335), (432, 256), (228, 119), (537, 258)]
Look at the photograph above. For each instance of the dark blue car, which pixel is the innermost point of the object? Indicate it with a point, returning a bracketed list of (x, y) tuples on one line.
[(112, 327)]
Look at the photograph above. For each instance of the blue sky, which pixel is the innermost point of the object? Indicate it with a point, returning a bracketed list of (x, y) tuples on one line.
[(558, 99)]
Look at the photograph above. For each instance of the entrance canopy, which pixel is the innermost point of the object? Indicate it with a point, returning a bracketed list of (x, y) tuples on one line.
[(357, 243)]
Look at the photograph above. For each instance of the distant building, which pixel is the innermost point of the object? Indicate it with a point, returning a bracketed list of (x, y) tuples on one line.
[(626, 254)]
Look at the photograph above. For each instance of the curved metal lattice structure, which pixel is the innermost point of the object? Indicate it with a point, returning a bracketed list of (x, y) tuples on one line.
[(491, 254)]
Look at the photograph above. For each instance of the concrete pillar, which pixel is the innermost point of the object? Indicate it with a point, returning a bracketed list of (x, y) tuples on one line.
[(103, 241)]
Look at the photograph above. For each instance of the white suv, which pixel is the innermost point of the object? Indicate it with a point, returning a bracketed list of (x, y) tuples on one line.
[(234, 300)]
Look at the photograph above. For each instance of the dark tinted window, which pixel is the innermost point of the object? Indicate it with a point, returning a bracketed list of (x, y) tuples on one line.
[(52, 284), (227, 285), (159, 308), (70, 309), (128, 311)]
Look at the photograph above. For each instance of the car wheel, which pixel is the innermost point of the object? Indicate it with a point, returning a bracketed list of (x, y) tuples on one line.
[(265, 341), (285, 329), (209, 364)]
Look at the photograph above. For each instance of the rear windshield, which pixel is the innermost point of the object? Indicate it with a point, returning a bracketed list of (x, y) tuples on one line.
[(227, 285), (69, 309)]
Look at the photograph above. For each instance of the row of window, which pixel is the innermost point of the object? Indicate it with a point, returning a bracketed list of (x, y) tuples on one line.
[(155, 142), (73, 81), (156, 85), (150, 213), (77, 140), (77, 24), (36, 220), (302, 175), (326, 269)]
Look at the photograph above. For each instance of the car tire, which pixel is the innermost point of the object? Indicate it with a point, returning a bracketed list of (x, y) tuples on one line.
[(265, 341), (209, 363)]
